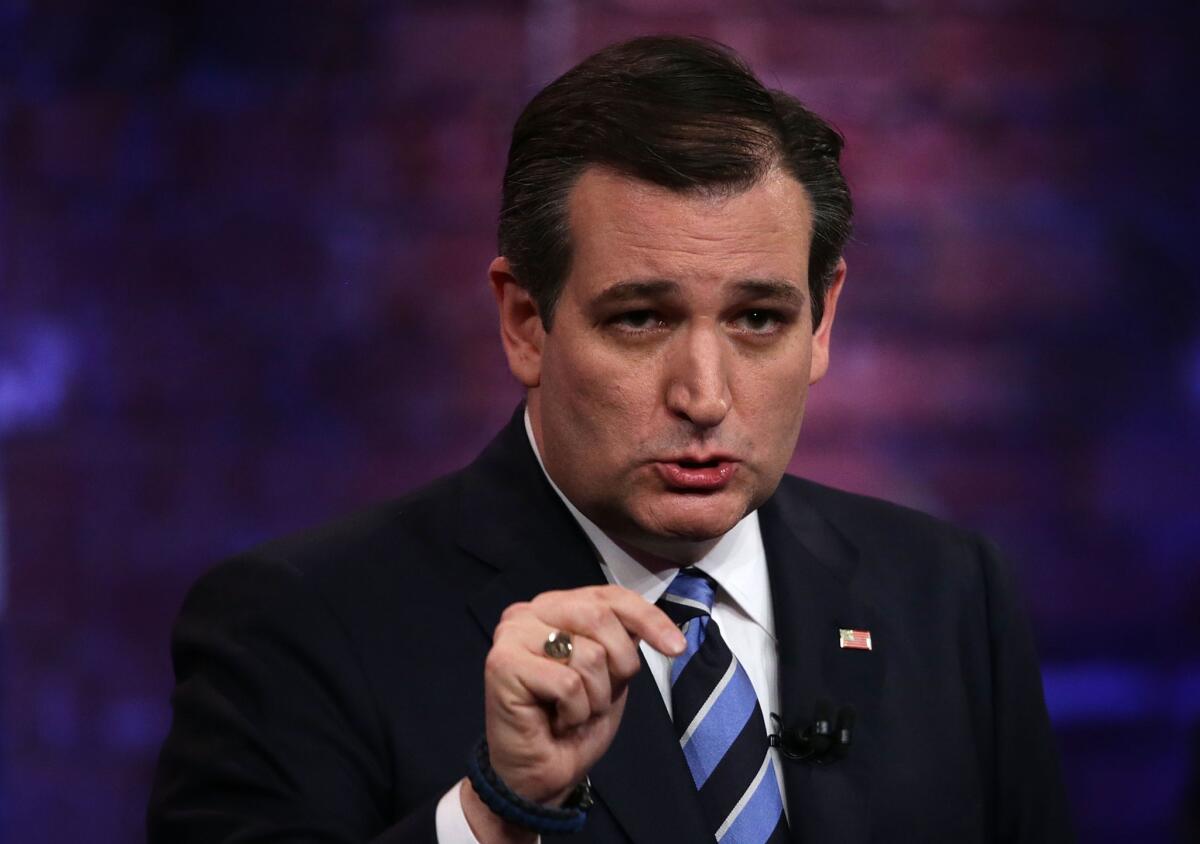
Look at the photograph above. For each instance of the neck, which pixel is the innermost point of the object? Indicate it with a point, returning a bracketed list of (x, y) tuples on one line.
[(667, 554)]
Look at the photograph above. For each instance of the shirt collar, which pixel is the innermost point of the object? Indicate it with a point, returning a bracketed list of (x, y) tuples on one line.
[(738, 562)]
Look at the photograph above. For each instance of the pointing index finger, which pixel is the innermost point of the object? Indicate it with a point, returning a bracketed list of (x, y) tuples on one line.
[(647, 622)]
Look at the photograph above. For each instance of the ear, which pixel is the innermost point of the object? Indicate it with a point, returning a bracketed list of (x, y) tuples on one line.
[(520, 324), (820, 338)]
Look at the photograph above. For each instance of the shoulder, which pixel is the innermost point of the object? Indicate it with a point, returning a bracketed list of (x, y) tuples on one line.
[(896, 546), (419, 519), (864, 518), (393, 548)]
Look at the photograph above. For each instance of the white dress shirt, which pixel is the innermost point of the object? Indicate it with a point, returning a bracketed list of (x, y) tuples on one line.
[(742, 608)]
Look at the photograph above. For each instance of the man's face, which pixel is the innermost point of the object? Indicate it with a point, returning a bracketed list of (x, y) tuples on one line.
[(667, 397)]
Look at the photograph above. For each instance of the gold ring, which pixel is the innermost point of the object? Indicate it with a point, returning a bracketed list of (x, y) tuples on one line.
[(558, 645)]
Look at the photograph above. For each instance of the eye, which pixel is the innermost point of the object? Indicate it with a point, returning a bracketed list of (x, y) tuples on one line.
[(642, 320), (759, 321)]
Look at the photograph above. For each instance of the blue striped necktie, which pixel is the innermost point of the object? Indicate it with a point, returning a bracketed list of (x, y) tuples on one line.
[(719, 723)]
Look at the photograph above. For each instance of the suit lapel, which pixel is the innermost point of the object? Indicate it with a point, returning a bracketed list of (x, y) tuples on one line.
[(511, 518), (643, 778), (812, 569)]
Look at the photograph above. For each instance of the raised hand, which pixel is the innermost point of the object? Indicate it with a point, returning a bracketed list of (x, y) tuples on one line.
[(548, 721)]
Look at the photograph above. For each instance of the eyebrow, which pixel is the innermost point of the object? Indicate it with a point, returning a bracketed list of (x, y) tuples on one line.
[(625, 291), (773, 288), (757, 288)]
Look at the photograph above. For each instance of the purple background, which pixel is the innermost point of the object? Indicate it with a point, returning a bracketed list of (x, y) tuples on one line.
[(242, 290)]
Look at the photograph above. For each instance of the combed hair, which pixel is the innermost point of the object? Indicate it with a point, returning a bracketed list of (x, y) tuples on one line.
[(684, 113)]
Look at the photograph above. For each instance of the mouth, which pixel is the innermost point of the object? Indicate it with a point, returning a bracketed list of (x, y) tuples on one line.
[(697, 474)]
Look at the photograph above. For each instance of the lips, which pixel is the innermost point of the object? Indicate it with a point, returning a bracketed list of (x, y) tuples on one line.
[(697, 475)]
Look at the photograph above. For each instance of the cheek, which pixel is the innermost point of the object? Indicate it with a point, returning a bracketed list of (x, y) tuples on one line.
[(602, 397), (772, 400), (596, 421)]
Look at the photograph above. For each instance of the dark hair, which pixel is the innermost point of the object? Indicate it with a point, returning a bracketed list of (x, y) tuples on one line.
[(684, 113)]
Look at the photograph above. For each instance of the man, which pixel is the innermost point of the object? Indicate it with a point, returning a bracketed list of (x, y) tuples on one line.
[(622, 622)]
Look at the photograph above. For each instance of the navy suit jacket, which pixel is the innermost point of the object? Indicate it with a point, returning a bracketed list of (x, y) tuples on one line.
[(329, 686)]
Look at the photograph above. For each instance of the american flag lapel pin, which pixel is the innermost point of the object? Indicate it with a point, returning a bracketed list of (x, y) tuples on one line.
[(859, 640)]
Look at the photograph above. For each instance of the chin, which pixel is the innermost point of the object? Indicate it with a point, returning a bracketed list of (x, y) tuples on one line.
[(699, 520)]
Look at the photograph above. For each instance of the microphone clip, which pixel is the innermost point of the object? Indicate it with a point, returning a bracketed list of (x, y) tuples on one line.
[(826, 739)]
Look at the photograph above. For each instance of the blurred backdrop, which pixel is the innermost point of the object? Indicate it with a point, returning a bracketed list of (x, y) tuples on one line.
[(242, 290)]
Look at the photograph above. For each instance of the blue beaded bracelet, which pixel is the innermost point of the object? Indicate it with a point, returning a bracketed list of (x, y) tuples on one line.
[(544, 820)]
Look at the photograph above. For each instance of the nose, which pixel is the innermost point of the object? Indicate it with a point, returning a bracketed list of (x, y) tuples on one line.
[(697, 381)]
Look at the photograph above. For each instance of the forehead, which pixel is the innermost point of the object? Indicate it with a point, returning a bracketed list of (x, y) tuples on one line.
[(623, 227)]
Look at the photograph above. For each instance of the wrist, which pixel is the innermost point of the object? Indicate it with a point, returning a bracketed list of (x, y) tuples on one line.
[(543, 818), (486, 825)]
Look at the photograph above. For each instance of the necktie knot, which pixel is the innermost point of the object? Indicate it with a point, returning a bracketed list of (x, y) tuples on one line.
[(689, 596)]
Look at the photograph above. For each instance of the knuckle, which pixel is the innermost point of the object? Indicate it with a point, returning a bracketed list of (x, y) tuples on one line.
[(588, 615), (608, 594), (593, 657), (504, 628), (622, 670), (543, 598), (514, 610), (497, 663), (623, 595), (627, 664), (572, 684)]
